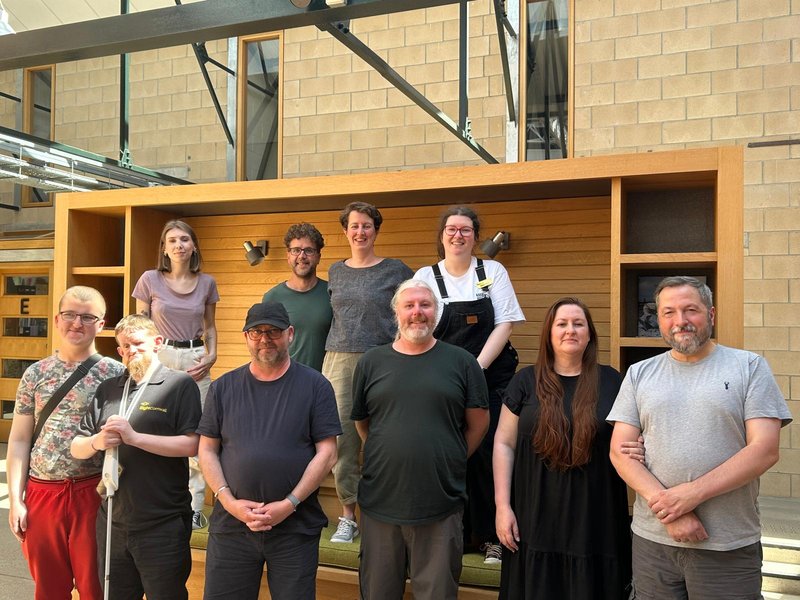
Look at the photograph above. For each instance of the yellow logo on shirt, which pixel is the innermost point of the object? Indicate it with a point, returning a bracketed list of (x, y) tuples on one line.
[(148, 406)]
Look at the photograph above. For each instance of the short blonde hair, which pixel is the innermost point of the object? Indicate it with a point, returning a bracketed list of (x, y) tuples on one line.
[(83, 293), (135, 322)]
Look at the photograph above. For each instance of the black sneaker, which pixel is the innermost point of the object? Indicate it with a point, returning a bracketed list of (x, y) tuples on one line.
[(494, 553)]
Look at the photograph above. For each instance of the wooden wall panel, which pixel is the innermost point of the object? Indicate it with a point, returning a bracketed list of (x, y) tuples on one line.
[(559, 247)]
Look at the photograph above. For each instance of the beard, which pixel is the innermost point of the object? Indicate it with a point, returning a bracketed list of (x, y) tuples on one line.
[(270, 358), (137, 367), (415, 335), (689, 345)]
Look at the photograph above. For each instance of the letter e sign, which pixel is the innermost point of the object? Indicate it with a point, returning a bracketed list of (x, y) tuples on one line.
[(24, 306)]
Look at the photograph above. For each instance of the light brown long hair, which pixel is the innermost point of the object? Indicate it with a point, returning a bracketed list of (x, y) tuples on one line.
[(563, 445), (163, 262)]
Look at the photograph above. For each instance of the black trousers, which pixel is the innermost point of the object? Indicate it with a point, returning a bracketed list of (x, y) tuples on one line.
[(155, 561)]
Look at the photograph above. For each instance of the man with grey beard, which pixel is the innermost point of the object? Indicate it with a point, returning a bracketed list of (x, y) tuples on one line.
[(421, 406), (150, 414), (711, 419)]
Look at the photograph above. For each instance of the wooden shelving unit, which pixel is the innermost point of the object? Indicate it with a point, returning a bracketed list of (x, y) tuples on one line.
[(582, 227), (689, 224)]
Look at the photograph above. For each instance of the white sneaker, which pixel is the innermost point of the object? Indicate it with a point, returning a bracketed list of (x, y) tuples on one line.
[(346, 531), (199, 520)]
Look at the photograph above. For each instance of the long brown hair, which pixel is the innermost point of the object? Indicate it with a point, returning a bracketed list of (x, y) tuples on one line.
[(561, 445), (163, 262)]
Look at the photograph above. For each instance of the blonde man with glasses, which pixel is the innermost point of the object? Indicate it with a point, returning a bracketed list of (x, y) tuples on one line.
[(53, 501)]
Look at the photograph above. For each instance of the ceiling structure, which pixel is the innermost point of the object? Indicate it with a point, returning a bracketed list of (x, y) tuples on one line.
[(35, 14), (52, 31)]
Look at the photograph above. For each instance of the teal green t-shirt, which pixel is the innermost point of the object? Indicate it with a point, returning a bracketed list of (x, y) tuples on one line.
[(310, 314)]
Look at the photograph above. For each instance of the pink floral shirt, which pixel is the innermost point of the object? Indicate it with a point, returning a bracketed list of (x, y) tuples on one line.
[(50, 457)]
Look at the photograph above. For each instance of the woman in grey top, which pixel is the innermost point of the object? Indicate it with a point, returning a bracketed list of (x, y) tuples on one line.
[(361, 289)]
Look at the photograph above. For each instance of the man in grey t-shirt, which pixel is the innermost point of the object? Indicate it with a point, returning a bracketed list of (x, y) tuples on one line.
[(711, 418)]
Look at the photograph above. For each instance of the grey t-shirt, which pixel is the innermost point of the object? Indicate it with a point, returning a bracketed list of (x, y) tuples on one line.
[(692, 417), (360, 298)]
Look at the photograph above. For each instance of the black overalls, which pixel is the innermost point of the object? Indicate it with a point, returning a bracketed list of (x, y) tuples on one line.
[(468, 324)]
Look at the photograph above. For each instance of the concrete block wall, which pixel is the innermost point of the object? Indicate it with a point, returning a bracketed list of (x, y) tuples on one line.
[(342, 117), (173, 124), (665, 74)]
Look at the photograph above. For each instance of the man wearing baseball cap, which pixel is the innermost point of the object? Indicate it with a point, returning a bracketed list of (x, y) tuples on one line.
[(277, 422)]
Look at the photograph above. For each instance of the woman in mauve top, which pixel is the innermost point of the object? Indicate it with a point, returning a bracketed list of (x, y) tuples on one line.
[(182, 302)]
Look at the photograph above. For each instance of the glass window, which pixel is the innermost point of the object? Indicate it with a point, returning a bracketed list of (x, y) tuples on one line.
[(27, 285), (259, 109), (24, 327), (13, 368), (547, 79), (37, 107), (8, 409)]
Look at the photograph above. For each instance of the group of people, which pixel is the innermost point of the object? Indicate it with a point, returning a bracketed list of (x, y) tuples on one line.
[(460, 449)]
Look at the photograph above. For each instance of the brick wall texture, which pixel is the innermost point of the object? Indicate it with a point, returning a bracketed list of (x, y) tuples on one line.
[(666, 74), (173, 124)]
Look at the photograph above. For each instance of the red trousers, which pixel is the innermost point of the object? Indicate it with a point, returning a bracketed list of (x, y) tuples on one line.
[(60, 543)]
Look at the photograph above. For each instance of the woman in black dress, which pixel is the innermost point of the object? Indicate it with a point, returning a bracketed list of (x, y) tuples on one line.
[(564, 522)]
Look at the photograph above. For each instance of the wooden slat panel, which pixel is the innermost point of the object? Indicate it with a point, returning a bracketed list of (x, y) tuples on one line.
[(558, 248)]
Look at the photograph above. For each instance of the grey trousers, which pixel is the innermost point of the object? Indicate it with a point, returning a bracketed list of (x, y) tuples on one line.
[(430, 554), (662, 572)]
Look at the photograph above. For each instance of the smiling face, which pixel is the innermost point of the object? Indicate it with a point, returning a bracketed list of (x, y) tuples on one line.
[(569, 334), (416, 315), (684, 321), (303, 266), (461, 242), (270, 352), (360, 231), (178, 245), (76, 333)]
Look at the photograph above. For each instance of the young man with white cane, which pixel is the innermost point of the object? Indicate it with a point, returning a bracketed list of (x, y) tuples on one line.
[(150, 415)]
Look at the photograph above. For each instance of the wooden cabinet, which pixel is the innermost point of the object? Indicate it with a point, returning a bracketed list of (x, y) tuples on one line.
[(25, 319), (107, 248), (684, 224)]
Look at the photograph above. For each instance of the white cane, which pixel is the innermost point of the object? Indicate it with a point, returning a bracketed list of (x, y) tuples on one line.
[(111, 482)]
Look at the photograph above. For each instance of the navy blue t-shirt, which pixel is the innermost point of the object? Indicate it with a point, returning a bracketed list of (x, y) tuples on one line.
[(268, 431)]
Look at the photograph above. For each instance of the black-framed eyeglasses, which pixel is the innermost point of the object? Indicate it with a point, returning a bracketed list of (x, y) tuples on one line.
[(86, 318), (257, 334), (464, 231), (307, 251)]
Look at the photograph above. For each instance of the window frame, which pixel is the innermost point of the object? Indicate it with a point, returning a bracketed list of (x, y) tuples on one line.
[(28, 108), (523, 80), (241, 101)]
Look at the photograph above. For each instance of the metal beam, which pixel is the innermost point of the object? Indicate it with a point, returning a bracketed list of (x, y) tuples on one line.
[(365, 53), (184, 24)]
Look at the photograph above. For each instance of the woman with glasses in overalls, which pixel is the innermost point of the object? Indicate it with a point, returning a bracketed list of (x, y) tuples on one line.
[(182, 302), (478, 309)]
